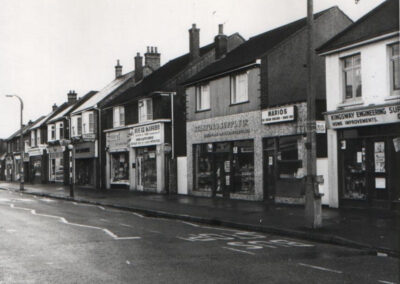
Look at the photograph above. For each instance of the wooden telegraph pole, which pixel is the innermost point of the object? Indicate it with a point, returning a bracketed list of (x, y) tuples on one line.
[(313, 210)]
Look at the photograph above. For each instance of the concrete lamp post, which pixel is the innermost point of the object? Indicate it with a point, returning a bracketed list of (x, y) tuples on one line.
[(21, 144), (71, 178)]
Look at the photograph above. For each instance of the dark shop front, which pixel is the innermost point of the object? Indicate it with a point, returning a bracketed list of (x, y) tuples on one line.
[(368, 156), (85, 164)]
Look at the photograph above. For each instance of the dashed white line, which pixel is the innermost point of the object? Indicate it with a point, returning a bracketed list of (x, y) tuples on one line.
[(191, 224), (63, 220), (320, 268), (238, 250), (386, 282), (125, 225)]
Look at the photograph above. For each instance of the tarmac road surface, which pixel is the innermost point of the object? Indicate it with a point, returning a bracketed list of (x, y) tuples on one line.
[(45, 240)]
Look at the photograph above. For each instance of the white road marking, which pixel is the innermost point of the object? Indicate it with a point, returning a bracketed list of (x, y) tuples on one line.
[(103, 220), (386, 282), (238, 250), (128, 262), (320, 268), (137, 214), (47, 200), (63, 220), (381, 254), (125, 225), (90, 205), (191, 224)]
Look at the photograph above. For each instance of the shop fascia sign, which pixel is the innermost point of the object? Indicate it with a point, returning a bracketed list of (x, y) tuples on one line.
[(364, 117), (146, 135), (35, 151), (278, 114), (118, 140)]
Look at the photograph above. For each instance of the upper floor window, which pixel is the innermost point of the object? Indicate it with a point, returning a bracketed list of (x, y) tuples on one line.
[(91, 122), (38, 138), (76, 125), (145, 110), (394, 69), (61, 130), (33, 138), (53, 132), (119, 116), (203, 97), (352, 77), (239, 88), (79, 125)]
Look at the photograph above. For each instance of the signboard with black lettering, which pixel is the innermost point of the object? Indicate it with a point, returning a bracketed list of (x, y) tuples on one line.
[(364, 117), (152, 134), (117, 141), (278, 114)]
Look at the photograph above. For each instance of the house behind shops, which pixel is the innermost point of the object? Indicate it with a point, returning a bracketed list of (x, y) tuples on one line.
[(363, 110), (246, 115), (142, 135)]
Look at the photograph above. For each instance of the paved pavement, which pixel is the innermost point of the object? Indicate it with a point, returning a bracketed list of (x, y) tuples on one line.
[(376, 230), (45, 240)]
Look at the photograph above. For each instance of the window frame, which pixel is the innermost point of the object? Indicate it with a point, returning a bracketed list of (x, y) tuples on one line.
[(199, 94), (234, 87), (392, 59), (118, 116), (352, 68), (143, 104), (33, 138)]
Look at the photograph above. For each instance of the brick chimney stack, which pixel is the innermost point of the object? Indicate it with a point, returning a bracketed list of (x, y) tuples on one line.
[(152, 58), (54, 107), (138, 67), (72, 97), (194, 42), (118, 70), (221, 42)]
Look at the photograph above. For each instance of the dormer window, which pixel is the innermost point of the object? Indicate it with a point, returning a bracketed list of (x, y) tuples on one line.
[(203, 97), (239, 88), (352, 77), (145, 110), (119, 116)]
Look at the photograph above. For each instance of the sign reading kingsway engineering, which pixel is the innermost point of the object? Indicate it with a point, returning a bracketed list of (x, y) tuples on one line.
[(278, 114), (152, 134), (364, 117)]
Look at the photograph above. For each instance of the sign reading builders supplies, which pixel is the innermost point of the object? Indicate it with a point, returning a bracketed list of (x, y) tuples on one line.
[(364, 117), (152, 134), (279, 114)]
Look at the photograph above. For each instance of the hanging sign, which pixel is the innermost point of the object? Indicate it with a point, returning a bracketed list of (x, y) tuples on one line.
[(364, 117), (276, 115), (320, 126)]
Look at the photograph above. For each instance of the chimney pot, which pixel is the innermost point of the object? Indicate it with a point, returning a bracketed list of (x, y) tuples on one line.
[(152, 59), (72, 97), (138, 67), (54, 107), (194, 43), (118, 70), (220, 43), (155, 49)]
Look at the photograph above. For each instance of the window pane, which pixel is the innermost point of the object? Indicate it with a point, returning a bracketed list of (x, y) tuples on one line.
[(242, 88), (395, 49), (396, 73), (357, 82), (348, 62), (149, 109), (205, 98), (348, 75), (233, 89), (121, 116)]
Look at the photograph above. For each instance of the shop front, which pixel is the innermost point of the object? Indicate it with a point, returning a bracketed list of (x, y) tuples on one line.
[(117, 159), (224, 157), (8, 171), (150, 153), (85, 159), (367, 156), (37, 165), (58, 164), (257, 155)]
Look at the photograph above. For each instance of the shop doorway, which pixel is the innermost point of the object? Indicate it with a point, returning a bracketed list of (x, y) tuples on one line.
[(85, 172), (146, 160), (368, 168)]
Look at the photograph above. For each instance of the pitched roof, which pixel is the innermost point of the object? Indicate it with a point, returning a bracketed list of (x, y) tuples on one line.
[(71, 108), (251, 50), (49, 116), (156, 80), (106, 91), (25, 128), (382, 20)]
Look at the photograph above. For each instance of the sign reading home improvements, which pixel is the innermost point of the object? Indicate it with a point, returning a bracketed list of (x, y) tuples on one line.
[(278, 114), (364, 117)]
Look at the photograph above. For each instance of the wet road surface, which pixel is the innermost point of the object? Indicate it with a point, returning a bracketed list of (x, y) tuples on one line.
[(52, 241)]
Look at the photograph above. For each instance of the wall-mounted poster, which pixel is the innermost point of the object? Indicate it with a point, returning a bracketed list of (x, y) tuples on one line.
[(379, 150)]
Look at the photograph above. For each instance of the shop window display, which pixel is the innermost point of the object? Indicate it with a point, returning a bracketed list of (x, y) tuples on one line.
[(120, 167), (354, 162), (243, 165), (203, 162), (147, 163), (289, 164)]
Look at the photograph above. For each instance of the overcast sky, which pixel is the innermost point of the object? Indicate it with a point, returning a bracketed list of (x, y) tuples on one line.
[(48, 47)]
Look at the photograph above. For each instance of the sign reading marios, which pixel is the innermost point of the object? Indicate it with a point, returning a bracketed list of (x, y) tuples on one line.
[(151, 134), (368, 116), (279, 114)]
